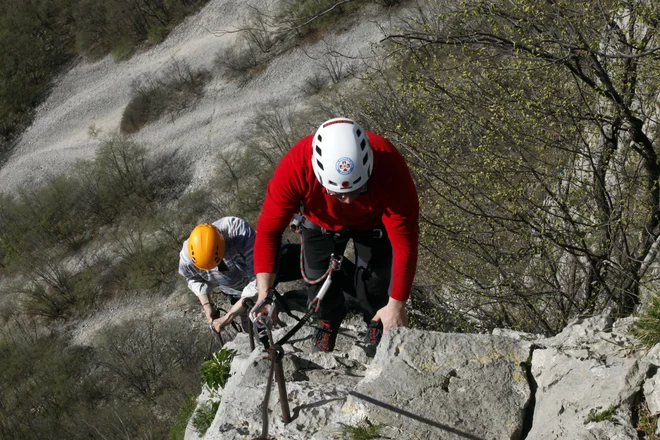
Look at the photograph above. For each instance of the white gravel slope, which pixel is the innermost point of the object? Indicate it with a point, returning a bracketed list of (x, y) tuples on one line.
[(95, 95)]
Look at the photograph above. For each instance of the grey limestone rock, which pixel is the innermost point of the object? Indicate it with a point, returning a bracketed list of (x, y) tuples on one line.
[(584, 383)]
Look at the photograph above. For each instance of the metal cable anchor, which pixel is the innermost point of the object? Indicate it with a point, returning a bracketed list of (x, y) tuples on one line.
[(275, 354)]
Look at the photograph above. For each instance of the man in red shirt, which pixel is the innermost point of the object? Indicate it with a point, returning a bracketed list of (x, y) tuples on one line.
[(348, 184)]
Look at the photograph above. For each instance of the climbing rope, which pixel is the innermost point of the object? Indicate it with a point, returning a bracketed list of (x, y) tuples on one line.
[(327, 273)]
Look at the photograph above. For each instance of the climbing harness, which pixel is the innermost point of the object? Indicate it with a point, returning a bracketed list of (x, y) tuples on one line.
[(315, 304)]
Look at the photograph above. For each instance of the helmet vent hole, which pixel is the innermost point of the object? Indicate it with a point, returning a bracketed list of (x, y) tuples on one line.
[(357, 180), (363, 144), (319, 138), (318, 162), (365, 159), (330, 182), (358, 132), (318, 151)]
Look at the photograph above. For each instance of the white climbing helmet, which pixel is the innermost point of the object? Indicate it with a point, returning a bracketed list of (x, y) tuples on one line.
[(341, 155)]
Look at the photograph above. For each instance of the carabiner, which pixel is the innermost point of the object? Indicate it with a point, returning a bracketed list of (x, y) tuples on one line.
[(257, 306)]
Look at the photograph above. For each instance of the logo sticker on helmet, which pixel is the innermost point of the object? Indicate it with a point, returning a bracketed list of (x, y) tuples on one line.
[(344, 165)]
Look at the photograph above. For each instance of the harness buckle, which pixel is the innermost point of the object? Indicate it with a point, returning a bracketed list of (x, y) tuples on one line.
[(342, 234), (378, 234), (296, 223)]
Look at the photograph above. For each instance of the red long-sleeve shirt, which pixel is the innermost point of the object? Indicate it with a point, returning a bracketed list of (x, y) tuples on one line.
[(391, 200)]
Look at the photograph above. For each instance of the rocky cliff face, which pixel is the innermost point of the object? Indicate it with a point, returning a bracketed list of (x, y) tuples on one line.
[(585, 383)]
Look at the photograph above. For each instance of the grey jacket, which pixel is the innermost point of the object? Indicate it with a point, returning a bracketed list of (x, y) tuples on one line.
[(239, 244)]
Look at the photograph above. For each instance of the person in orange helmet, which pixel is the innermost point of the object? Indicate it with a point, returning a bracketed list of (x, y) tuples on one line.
[(220, 254)]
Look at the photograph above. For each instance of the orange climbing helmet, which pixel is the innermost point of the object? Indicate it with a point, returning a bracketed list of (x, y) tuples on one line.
[(206, 246)]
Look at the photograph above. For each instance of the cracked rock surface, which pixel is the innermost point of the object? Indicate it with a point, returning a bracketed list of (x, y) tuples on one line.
[(584, 383)]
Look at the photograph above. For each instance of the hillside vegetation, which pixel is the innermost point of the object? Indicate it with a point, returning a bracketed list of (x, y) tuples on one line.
[(530, 128), (39, 38)]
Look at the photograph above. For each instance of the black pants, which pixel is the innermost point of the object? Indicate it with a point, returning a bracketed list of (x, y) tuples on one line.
[(288, 266), (288, 270), (370, 279)]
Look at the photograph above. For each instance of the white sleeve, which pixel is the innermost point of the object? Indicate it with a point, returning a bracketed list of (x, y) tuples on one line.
[(250, 291), (200, 287), (196, 283)]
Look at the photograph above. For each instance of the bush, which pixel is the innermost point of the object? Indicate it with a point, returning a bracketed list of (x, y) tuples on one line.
[(122, 180), (126, 412), (257, 43), (66, 212), (242, 61), (41, 37), (175, 222), (40, 378), (145, 259), (37, 218), (56, 292), (215, 371), (178, 89), (156, 34), (122, 419), (244, 172), (124, 25), (335, 64), (313, 18), (148, 356), (122, 50), (34, 48), (388, 3), (314, 84)]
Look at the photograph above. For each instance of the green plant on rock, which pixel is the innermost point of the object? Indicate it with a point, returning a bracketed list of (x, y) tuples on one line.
[(204, 416), (365, 430), (595, 416), (215, 371), (647, 423)]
